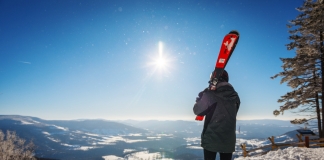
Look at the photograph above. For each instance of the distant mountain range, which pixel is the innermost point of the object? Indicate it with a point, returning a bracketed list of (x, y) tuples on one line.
[(99, 139)]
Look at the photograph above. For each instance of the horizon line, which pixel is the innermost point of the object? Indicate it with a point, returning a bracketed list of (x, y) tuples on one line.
[(135, 119)]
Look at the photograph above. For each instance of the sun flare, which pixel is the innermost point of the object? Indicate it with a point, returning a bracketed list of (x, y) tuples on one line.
[(161, 62)]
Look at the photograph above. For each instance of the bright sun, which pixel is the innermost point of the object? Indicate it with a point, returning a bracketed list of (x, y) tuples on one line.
[(160, 62)]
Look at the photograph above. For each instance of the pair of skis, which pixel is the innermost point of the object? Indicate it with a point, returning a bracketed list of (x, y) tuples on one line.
[(228, 45)]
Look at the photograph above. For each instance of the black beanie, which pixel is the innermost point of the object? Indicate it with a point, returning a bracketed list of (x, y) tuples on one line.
[(223, 77)]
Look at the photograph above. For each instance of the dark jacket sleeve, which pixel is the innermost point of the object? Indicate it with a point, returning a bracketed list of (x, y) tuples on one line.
[(202, 105), (238, 102)]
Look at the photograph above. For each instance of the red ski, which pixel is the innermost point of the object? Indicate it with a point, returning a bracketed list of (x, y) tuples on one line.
[(228, 45)]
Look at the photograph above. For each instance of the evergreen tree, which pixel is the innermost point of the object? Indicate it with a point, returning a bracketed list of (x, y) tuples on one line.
[(303, 73)]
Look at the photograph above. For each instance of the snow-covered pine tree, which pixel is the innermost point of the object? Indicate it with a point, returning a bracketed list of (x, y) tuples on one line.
[(301, 74), (304, 72)]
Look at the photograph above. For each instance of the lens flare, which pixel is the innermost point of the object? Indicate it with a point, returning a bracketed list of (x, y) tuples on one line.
[(161, 62)]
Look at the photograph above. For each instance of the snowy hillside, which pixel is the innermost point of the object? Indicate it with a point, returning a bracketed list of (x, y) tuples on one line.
[(291, 153), (288, 137)]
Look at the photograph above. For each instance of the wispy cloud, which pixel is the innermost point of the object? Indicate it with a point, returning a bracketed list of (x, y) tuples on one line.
[(24, 62)]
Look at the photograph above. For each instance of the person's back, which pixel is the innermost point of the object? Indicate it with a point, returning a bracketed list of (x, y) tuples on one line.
[(220, 106)]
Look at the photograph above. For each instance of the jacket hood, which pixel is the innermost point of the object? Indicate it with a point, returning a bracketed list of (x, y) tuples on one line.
[(220, 84), (226, 90)]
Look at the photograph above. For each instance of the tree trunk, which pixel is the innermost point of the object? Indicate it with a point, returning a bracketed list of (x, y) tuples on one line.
[(322, 68), (318, 111), (322, 65)]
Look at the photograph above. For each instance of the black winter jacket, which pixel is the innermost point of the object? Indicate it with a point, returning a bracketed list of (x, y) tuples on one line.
[(220, 107)]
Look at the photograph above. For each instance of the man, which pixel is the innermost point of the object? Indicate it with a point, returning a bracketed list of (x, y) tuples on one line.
[(219, 104)]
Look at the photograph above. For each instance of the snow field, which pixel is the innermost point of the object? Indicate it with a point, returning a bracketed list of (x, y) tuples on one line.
[(290, 153)]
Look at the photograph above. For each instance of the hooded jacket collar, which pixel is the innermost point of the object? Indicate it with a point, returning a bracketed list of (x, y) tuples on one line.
[(221, 84)]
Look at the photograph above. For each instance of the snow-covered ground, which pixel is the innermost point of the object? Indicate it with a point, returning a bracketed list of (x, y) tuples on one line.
[(137, 156), (290, 153)]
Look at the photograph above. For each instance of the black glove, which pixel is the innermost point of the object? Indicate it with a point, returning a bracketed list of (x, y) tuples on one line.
[(200, 94)]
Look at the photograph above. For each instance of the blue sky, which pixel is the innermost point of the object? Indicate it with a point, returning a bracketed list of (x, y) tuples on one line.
[(95, 59)]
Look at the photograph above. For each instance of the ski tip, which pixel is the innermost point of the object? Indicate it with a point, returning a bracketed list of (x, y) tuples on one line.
[(234, 32)]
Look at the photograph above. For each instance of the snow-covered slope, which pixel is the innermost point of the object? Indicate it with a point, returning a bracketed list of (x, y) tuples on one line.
[(290, 153), (287, 153)]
